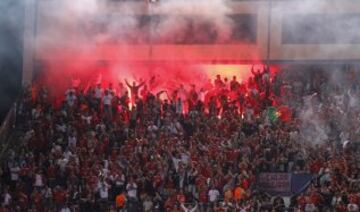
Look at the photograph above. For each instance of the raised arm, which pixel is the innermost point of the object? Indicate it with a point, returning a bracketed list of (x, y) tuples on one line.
[(252, 70), (266, 68), (194, 208), (128, 84), (141, 84), (160, 92), (183, 207)]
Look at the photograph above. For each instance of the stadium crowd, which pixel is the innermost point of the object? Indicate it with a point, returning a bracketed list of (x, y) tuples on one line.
[(200, 149)]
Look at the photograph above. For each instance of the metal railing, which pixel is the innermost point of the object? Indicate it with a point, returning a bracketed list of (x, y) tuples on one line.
[(6, 127)]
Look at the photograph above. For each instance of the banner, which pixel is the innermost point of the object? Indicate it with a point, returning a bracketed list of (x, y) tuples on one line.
[(284, 184), (275, 183), (300, 182)]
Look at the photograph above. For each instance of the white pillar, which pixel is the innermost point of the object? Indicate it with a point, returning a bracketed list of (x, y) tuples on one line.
[(29, 41)]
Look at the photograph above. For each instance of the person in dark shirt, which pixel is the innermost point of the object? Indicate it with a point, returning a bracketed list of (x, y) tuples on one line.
[(134, 89)]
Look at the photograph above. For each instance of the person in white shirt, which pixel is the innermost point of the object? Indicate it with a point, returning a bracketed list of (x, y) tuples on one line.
[(175, 127), (47, 192), (213, 195), (61, 127), (111, 89), (103, 189), (62, 162), (38, 180), (67, 154), (87, 118), (69, 91), (98, 91), (179, 106), (122, 89), (176, 162), (152, 131), (148, 204), (107, 99), (310, 207), (202, 94), (71, 99), (249, 113), (65, 209), (7, 198), (182, 93), (131, 189), (185, 157), (72, 140), (352, 207), (14, 174)]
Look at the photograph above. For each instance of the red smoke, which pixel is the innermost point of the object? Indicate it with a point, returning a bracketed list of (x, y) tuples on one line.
[(60, 75), (79, 44)]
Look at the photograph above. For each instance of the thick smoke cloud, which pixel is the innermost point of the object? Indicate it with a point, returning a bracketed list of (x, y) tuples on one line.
[(90, 22), (79, 32), (320, 23), (200, 13), (329, 112)]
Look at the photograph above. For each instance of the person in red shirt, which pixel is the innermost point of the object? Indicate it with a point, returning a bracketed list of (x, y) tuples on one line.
[(315, 198), (157, 179), (4, 209), (218, 82), (245, 183), (144, 93), (23, 200), (315, 166), (203, 199), (59, 196), (37, 199), (51, 173), (301, 201), (170, 203), (180, 197)]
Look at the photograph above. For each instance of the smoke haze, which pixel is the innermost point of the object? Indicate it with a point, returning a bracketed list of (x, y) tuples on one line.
[(11, 23), (81, 33)]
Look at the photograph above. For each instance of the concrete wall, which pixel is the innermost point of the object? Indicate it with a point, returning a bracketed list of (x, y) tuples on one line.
[(283, 10)]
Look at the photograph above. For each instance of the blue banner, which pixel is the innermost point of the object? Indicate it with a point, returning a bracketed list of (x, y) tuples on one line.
[(283, 184)]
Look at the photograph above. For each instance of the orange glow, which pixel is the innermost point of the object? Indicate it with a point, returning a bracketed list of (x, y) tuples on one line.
[(242, 72)]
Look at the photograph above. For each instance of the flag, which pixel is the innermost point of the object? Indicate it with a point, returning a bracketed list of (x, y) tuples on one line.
[(273, 114), (285, 113), (282, 112)]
